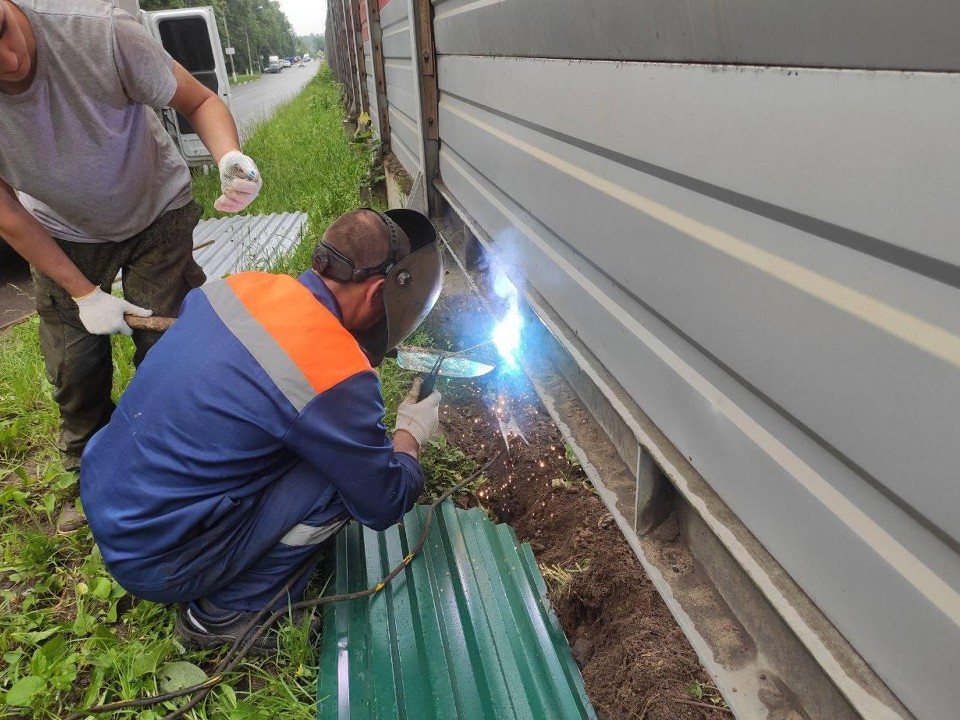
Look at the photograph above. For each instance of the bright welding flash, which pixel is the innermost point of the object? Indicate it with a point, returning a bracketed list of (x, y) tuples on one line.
[(506, 331)]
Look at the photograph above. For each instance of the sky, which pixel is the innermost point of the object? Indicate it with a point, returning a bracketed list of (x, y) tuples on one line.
[(306, 16)]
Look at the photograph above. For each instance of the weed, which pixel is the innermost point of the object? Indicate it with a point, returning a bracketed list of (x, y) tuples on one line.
[(445, 465), (706, 693)]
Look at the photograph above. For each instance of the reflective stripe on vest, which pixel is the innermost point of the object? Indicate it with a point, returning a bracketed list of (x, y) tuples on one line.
[(298, 342)]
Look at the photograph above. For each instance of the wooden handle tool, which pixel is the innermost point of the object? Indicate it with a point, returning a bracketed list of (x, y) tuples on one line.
[(153, 323)]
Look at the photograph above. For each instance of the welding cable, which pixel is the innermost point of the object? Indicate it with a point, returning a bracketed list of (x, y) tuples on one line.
[(265, 619)]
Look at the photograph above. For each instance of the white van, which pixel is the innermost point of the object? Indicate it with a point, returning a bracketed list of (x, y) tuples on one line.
[(190, 36)]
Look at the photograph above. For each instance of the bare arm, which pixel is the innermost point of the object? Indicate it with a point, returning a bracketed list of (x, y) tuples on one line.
[(405, 442), (29, 238), (206, 112)]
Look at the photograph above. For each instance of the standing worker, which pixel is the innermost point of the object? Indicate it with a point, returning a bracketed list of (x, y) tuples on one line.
[(91, 184), (253, 431)]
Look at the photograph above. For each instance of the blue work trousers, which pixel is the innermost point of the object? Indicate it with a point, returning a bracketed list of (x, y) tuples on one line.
[(243, 559)]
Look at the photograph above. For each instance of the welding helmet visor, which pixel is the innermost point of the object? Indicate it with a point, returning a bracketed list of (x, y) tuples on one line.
[(411, 289)]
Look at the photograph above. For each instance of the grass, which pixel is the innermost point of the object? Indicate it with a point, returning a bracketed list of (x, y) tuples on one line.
[(560, 578), (244, 78), (70, 635)]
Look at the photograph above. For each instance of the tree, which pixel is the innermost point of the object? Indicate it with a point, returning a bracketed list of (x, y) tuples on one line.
[(313, 43), (257, 28), (160, 4)]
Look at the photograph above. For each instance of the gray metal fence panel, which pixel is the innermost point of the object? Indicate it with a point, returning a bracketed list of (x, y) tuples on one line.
[(775, 281), (402, 89), (892, 34)]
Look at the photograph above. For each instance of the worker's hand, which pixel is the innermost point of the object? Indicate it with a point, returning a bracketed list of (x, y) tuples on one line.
[(102, 313), (420, 419), (240, 182)]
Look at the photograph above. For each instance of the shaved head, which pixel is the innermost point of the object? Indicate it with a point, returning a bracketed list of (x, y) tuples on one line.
[(362, 236)]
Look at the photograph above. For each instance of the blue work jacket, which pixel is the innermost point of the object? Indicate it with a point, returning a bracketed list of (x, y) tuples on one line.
[(257, 375)]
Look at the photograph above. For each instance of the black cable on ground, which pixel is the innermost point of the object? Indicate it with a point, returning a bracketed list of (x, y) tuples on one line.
[(240, 647)]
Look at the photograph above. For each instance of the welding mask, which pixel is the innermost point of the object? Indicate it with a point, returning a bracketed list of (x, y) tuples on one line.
[(412, 283)]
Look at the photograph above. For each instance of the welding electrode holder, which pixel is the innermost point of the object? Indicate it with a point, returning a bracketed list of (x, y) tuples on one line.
[(430, 379), (426, 387)]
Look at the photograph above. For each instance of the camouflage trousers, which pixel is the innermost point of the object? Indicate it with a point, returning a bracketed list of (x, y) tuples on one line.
[(158, 271)]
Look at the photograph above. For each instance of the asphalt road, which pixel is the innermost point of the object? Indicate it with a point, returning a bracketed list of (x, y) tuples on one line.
[(255, 101)]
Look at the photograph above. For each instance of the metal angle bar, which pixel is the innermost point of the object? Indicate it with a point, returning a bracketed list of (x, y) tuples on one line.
[(356, 32), (379, 76), (425, 56), (350, 52)]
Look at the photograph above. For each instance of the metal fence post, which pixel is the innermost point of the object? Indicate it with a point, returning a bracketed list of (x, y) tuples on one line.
[(379, 75), (349, 60), (361, 60), (425, 57)]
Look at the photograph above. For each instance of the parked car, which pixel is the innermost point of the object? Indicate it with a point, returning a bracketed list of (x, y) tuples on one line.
[(274, 67)]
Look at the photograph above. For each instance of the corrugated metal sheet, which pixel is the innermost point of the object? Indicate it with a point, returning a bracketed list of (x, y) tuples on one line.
[(465, 632), (876, 34), (246, 242), (402, 89), (764, 259)]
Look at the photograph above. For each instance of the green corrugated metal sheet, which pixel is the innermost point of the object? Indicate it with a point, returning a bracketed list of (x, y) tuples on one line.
[(466, 632)]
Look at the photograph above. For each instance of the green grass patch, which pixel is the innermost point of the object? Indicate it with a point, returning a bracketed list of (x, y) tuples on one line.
[(244, 78)]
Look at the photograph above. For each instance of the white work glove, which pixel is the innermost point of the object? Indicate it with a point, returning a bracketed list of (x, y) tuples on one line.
[(420, 419), (240, 182), (102, 313)]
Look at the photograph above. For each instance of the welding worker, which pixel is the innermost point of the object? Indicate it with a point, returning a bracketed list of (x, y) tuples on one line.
[(91, 184), (253, 431)]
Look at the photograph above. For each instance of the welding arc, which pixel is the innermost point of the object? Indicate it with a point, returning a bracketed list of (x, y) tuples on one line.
[(241, 646)]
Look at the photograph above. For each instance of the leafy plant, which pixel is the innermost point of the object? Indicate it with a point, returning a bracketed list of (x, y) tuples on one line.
[(571, 456), (445, 465), (706, 693)]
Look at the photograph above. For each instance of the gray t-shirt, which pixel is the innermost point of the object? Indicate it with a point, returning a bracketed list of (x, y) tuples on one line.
[(82, 146)]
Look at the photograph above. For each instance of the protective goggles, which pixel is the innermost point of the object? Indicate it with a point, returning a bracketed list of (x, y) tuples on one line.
[(332, 263)]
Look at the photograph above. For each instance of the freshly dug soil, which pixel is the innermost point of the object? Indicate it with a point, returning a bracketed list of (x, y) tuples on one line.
[(635, 661)]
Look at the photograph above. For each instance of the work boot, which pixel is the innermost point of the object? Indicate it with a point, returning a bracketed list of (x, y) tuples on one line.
[(70, 461), (71, 518), (205, 626)]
